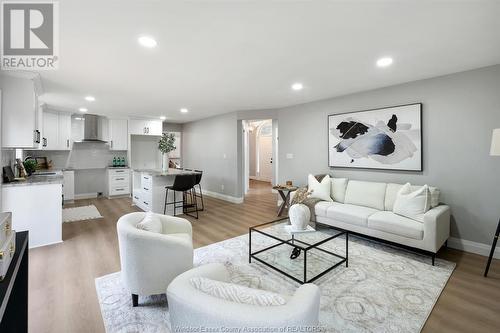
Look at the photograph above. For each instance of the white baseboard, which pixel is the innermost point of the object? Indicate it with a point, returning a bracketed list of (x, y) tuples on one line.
[(48, 244), (85, 196), (472, 247), (224, 197)]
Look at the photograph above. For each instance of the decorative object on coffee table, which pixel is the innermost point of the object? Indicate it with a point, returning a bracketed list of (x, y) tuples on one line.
[(495, 151), (299, 216), (284, 192)]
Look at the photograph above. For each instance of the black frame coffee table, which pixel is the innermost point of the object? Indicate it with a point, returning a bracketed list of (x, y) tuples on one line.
[(299, 243)]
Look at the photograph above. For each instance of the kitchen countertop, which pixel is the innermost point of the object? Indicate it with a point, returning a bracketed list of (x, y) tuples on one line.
[(159, 172), (58, 178)]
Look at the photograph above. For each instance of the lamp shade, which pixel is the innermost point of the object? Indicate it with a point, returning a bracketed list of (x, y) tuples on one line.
[(495, 143)]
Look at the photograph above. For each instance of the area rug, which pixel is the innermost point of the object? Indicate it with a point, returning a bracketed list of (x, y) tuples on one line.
[(384, 289), (80, 213)]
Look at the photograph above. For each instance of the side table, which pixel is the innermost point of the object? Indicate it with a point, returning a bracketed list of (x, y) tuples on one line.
[(285, 195)]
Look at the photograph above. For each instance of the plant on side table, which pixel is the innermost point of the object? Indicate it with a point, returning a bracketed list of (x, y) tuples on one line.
[(166, 145)]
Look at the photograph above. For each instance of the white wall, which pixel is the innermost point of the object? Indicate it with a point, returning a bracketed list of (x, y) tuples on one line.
[(459, 114), (211, 145)]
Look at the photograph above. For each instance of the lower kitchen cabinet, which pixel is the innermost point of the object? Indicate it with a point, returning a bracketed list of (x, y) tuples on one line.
[(148, 192), (118, 182)]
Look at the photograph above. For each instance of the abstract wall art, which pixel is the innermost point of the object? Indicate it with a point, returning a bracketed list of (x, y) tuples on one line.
[(386, 138)]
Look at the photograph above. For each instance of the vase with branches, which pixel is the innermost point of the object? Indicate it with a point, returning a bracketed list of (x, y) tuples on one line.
[(165, 146)]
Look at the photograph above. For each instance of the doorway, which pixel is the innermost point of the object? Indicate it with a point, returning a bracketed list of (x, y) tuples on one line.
[(260, 141)]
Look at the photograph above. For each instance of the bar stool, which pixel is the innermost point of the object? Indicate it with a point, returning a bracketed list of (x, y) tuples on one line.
[(185, 184), (198, 175)]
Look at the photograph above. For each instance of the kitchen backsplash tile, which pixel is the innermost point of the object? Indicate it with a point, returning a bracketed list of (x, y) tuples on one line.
[(82, 156)]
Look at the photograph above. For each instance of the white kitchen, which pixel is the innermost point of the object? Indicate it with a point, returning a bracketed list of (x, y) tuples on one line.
[(51, 157)]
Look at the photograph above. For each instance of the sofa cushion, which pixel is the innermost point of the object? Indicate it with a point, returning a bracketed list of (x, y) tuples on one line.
[(368, 194), (339, 185), (396, 224), (321, 207), (320, 190), (350, 213), (393, 189), (413, 204), (236, 293)]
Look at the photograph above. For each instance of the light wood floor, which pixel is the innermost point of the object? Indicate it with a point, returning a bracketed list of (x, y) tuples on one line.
[(62, 296)]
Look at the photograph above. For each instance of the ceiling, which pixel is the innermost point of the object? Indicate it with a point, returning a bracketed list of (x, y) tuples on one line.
[(219, 56)]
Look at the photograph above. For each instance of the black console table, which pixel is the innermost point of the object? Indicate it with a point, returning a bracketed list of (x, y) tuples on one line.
[(14, 290)]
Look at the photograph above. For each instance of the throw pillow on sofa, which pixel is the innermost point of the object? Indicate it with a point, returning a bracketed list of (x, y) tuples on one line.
[(151, 222), (320, 190), (413, 204), (236, 293), (337, 192)]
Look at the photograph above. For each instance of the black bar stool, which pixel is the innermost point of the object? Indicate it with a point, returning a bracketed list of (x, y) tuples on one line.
[(185, 184), (198, 175)]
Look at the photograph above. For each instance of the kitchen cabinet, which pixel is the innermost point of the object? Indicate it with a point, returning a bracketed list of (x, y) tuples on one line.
[(64, 133), (56, 133), (118, 134), (148, 192), (118, 182), (36, 208), (145, 127), (20, 127), (50, 139)]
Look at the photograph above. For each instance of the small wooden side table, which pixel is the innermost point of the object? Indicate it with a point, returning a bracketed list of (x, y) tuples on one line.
[(493, 246), (285, 195)]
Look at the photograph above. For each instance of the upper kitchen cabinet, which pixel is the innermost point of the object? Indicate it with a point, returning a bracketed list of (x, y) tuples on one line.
[(56, 133), (145, 127), (118, 134), (20, 117)]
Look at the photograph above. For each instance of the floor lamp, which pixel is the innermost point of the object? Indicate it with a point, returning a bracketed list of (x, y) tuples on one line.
[(495, 151)]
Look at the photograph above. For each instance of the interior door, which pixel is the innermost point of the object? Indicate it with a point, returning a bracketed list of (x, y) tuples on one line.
[(265, 158)]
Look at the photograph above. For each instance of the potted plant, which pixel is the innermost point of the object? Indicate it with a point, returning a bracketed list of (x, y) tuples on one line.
[(166, 145), (30, 166)]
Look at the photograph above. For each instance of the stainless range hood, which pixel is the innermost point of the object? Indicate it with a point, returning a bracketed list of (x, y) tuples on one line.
[(93, 128)]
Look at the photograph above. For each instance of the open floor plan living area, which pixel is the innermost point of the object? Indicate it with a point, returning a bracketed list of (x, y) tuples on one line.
[(250, 166)]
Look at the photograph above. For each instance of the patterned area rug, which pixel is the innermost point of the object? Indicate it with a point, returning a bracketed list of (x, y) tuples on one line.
[(74, 214), (384, 289)]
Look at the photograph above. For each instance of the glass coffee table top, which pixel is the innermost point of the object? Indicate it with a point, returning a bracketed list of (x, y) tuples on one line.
[(302, 256)]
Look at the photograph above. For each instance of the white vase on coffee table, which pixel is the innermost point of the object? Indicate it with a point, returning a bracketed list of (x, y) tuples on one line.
[(299, 216)]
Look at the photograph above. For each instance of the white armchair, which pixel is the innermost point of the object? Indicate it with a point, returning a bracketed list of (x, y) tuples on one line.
[(149, 260), (192, 308)]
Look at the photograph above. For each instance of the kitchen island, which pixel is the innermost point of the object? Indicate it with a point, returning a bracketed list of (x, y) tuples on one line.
[(148, 189), (36, 206)]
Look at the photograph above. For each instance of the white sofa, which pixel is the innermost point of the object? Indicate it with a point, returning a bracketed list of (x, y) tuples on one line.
[(366, 208), (150, 260), (191, 308)]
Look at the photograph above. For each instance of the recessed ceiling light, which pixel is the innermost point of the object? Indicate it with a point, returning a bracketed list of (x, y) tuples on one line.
[(83, 109), (90, 98), (163, 118), (184, 110), (297, 86), (384, 62), (147, 41)]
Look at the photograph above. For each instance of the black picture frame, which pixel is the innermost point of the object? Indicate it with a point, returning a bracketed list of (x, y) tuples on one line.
[(384, 108)]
